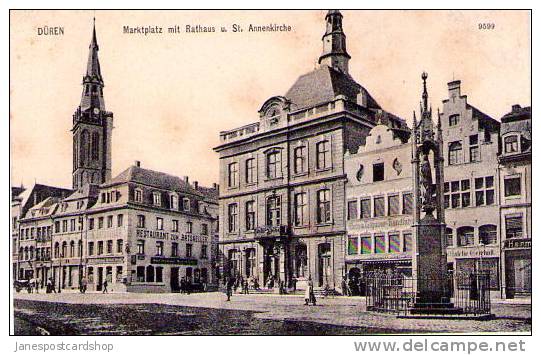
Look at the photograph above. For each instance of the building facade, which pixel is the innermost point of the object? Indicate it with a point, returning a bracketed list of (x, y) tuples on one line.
[(283, 179), (515, 186), (478, 209), (141, 231)]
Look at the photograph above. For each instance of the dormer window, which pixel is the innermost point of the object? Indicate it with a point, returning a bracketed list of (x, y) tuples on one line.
[(511, 144), (138, 195), (156, 199), (186, 204), (173, 199)]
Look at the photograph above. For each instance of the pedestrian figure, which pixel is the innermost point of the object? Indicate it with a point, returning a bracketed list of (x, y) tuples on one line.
[(245, 287), (105, 287), (345, 290), (182, 285), (294, 283), (84, 284), (229, 289), (309, 296)]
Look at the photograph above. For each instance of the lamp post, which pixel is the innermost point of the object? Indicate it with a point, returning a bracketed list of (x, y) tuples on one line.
[(60, 273)]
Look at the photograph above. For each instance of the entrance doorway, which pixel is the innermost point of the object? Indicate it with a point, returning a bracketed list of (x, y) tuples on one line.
[(175, 287), (100, 279), (324, 264)]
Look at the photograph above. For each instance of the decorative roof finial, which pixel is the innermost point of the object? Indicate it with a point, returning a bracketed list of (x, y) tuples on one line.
[(424, 76)]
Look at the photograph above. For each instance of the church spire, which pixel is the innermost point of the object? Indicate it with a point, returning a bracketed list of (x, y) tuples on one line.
[(92, 96), (334, 53), (426, 125)]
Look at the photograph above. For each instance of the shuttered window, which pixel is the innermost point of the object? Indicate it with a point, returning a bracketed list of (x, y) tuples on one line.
[(379, 207), (394, 205), (365, 208), (407, 203), (394, 243)]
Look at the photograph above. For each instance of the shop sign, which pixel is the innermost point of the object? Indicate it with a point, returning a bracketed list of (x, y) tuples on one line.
[(270, 231), (525, 243), (173, 261), (187, 237), (386, 223), (473, 252), (106, 260)]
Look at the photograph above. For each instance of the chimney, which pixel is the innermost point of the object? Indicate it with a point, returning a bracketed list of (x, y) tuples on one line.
[(516, 108), (454, 88), (186, 180), (215, 186), (196, 185), (137, 163)]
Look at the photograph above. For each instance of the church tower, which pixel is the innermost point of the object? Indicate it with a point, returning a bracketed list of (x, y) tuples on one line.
[(92, 126), (334, 53)]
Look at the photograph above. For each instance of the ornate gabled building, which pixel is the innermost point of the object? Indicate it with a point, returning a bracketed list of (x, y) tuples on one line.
[(92, 126), (515, 184), (282, 179)]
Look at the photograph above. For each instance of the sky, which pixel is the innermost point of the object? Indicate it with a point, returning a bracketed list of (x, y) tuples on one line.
[(171, 94)]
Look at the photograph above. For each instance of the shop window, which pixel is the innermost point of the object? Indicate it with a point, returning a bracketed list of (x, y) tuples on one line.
[(378, 172), (150, 274), (379, 242), (366, 245), (353, 245), (408, 242), (159, 274), (140, 274), (490, 267), (394, 243), (119, 274)]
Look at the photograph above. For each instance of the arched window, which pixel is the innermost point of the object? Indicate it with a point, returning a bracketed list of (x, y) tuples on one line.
[(150, 273), (64, 249), (465, 236), (31, 254), (80, 248), (56, 249), (83, 147), (95, 145), (25, 253), (72, 249), (488, 234)]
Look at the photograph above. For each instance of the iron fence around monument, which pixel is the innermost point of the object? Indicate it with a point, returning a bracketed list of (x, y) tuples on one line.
[(465, 294)]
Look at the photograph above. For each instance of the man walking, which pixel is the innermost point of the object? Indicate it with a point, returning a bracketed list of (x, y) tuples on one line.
[(105, 287), (229, 289)]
